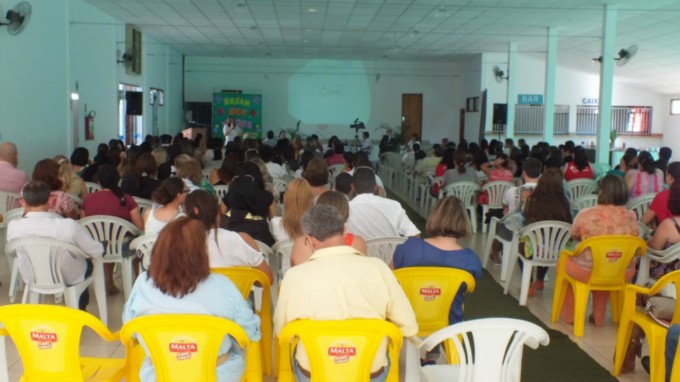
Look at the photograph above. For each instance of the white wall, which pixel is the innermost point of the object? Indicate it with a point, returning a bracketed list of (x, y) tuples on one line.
[(327, 95), (671, 126)]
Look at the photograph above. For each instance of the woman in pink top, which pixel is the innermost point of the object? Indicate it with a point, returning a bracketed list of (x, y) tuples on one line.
[(646, 179), (609, 217), (498, 170)]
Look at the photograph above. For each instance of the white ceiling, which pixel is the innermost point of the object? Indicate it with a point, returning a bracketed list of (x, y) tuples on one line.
[(432, 30)]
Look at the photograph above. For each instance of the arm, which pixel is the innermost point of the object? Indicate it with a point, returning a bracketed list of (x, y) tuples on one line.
[(648, 217), (136, 218), (263, 266), (486, 168), (661, 235), (273, 211), (214, 177)]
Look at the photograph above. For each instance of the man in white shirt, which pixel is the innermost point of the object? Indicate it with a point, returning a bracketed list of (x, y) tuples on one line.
[(230, 130), (373, 216), (37, 222), (338, 283), (366, 144), (275, 170)]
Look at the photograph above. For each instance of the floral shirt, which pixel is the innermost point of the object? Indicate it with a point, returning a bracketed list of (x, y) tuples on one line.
[(599, 221), (60, 203)]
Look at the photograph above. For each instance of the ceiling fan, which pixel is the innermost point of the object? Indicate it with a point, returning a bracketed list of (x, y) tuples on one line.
[(499, 73), (17, 18)]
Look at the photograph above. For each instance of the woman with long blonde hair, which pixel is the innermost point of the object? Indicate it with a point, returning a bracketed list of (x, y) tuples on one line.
[(296, 201)]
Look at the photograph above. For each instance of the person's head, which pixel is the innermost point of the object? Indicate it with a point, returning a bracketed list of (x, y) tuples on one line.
[(632, 151), (202, 206), (266, 153), (181, 159), (673, 172), (665, 153), (416, 147), (170, 190), (35, 195), (568, 148), (228, 169), (674, 199), (145, 166), (160, 155), (9, 153), (363, 180), (47, 170), (647, 162), (251, 171), (80, 156), (459, 160), (613, 190), (322, 224), (338, 147), (180, 257), (343, 183), (580, 157), (521, 142), (448, 218), (628, 161), (316, 172), (270, 134), (531, 169), (190, 170), (509, 143), (337, 200), (365, 135), (296, 201), (282, 134), (550, 182), (388, 132)]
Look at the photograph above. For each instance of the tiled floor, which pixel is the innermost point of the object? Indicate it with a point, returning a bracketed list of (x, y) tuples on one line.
[(598, 342)]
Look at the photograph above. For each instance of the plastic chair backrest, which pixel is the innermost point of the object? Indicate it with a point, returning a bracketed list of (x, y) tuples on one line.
[(283, 250), (546, 240), (580, 187), (76, 199), (611, 256), (640, 204), (383, 247), (111, 229), (143, 204), (144, 245), (183, 347), (8, 201), (341, 350), (92, 187), (15, 213), (490, 349), (496, 191), (47, 338), (465, 191), (392, 159), (221, 190), (335, 170), (583, 202), (431, 291), (44, 256)]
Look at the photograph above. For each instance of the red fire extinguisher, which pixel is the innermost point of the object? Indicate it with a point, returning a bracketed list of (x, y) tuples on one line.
[(89, 125)]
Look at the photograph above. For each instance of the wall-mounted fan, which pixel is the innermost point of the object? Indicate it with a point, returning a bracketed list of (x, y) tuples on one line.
[(499, 73), (126, 58), (17, 18), (626, 55)]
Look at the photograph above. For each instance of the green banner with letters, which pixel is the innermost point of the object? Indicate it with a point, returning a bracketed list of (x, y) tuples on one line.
[(246, 109)]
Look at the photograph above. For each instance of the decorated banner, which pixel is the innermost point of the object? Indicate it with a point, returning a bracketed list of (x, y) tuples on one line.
[(246, 109)]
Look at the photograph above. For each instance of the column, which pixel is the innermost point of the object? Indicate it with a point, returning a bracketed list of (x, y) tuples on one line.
[(512, 94), (604, 118), (550, 74)]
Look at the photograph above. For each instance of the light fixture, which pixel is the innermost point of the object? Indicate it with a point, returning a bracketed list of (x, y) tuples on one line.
[(311, 10), (75, 96)]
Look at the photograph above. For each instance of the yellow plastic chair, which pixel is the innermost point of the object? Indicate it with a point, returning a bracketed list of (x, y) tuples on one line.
[(340, 350), (47, 338), (245, 278), (611, 256), (184, 347), (431, 291), (654, 332)]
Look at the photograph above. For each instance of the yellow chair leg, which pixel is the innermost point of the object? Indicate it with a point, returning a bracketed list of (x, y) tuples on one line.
[(656, 336), (580, 304), (622, 341), (558, 298)]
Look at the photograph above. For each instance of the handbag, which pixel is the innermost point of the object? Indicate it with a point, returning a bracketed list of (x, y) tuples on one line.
[(661, 309)]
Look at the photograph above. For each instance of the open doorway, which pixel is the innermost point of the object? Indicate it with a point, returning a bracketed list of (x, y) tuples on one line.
[(130, 121)]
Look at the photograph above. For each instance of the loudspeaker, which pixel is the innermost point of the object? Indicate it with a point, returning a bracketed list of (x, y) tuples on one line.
[(133, 101), (500, 113)]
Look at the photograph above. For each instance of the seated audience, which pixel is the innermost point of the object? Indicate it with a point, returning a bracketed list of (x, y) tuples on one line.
[(343, 184), (646, 178), (459, 172), (222, 176), (141, 180), (316, 173), (11, 178), (61, 203), (373, 216), (296, 201), (667, 233), (179, 281), (339, 283), (609, 217), (38, 222), (71, 183), (190, 172), (658, 209), (169, 198), (579, 168), (81, 166)]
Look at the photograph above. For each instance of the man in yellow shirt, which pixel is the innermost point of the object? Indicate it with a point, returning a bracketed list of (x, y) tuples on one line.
[(337, 283)]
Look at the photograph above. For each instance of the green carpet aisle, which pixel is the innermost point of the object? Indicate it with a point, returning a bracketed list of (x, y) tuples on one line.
[(562, 360)]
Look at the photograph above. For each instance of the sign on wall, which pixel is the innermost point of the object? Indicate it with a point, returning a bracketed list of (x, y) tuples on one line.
[(246, 109), (530, 99)]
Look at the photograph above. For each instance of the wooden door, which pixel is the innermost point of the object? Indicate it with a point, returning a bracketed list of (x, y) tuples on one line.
[(412, 114)]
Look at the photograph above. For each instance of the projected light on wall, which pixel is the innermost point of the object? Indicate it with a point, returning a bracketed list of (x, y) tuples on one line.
[(329, 92)]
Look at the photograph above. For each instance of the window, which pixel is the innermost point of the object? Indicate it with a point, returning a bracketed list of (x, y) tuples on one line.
[(627, 120), (529, 119), (675, 106)]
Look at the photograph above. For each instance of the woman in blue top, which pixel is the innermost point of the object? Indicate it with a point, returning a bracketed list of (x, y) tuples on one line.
[(448, 221), (179, 281)]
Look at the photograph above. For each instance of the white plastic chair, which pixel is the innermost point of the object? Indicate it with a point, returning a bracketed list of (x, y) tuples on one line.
[(44, 258), (15, 280), (8, 201), (467, 193), (143, 246), (114, 231), (666, 256), (545, 241), (580, 187), (489, 349), (92, 187), (495, 191), (143, 204), (383, 247), (206, 173), (281, 260), (221, 190), (507, 244), (640, 204), (583, 202)]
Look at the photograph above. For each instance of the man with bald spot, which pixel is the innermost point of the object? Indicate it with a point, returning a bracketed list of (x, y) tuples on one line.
[(11, 178)]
